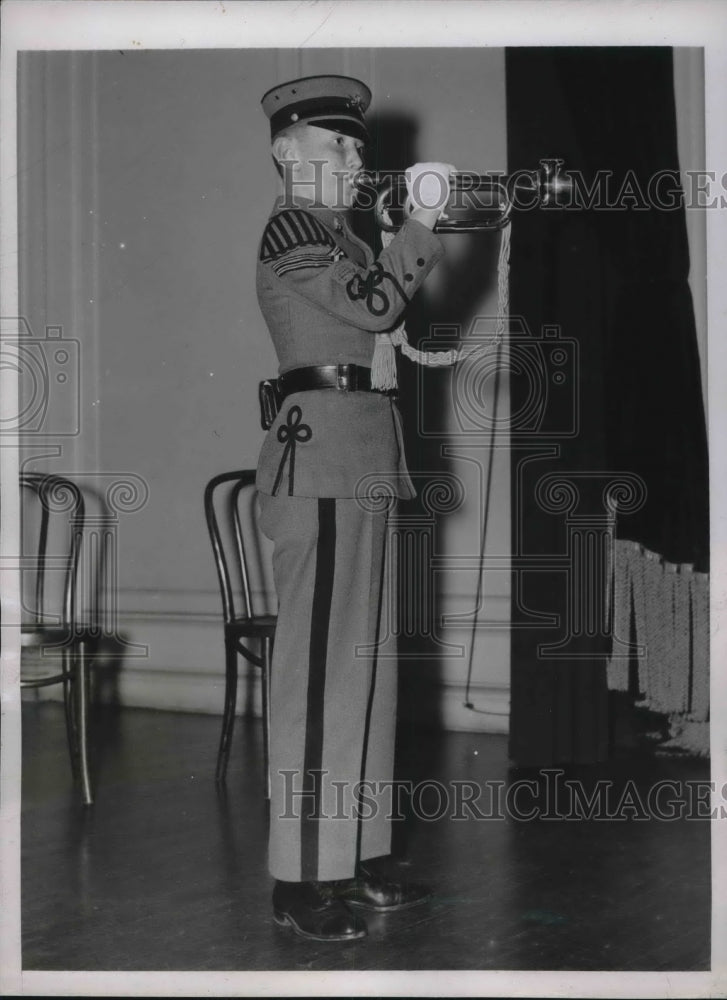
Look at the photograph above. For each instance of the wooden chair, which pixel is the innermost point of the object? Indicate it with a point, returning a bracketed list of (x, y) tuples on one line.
[(242, 627), (62, 645)]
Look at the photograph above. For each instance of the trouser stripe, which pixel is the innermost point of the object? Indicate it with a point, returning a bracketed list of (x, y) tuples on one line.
[(369, 704), (320, 622)]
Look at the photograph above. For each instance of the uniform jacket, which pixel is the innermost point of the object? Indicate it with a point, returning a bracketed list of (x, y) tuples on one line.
[(324, 297)]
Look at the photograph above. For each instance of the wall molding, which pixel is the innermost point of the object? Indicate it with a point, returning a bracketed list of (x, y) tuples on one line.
[(203, 693), (177, 664), (205, 604)]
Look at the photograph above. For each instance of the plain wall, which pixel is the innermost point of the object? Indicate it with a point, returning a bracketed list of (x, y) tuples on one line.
[(689, 103)]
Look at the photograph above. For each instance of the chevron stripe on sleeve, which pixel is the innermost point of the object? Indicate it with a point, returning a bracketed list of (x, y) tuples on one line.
[(293, 239)]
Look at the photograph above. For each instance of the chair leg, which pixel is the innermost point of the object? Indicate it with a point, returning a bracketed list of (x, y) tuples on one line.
[(82, 695), (267, 664), (228, 718), (71, 730)]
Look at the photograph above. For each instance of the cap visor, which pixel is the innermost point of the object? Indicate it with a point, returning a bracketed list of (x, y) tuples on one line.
[(347, 126)]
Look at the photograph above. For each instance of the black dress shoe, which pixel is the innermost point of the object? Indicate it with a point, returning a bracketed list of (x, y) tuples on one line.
[(373, 891), (313, 911)]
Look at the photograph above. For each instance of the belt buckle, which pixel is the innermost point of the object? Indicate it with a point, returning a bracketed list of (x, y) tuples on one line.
[(345, 378)]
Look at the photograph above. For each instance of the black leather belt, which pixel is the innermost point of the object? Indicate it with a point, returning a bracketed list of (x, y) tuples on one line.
[(345, 378)]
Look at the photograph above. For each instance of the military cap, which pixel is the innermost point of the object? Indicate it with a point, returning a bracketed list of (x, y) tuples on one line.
[(333, 102)]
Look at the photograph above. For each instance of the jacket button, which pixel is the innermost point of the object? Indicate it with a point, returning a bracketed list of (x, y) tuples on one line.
[(408, 277), (420, 261)]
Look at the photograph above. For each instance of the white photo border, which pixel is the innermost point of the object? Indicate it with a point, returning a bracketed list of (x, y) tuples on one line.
[(177, 24)]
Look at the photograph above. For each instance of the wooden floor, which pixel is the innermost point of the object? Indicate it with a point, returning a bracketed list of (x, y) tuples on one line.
[(166, 873)]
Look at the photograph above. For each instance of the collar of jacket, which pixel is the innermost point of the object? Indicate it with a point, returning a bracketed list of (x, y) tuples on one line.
[(336, 220)]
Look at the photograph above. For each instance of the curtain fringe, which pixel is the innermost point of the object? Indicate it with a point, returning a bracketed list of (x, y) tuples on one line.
[(665, 607)]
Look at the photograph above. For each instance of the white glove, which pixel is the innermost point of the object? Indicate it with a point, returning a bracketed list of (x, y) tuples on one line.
[(427, 186)]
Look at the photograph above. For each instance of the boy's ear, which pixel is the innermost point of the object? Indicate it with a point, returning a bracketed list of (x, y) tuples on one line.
[(283, 148)]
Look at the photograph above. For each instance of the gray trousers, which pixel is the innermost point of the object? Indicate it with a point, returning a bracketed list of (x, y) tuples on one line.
[(333, 687)]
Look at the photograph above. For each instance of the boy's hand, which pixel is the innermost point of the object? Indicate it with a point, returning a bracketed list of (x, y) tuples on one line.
[(427, 185)]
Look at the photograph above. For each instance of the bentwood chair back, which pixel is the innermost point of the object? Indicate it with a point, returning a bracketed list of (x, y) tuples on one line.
[(56, 647), (236, 547)]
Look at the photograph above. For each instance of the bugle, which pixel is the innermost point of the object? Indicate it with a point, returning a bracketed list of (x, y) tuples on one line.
[(476, 202)]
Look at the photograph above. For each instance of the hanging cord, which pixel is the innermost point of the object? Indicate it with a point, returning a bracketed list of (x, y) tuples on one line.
[(503, 306), (383, 375), (486, 518)]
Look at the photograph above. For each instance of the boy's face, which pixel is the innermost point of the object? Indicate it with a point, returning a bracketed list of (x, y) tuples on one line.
[(327, 162)]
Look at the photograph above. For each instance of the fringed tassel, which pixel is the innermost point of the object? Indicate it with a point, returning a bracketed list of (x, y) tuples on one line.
[(383, 363), (621, 596), (670, 606), (699, 602)]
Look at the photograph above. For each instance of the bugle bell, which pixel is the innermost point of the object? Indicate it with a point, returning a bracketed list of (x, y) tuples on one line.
[(476, 202)]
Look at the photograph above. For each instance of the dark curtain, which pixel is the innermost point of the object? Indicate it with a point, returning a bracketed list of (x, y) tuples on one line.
[(607, 315)]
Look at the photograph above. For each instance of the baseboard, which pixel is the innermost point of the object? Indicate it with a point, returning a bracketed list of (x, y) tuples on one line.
[(489, 711), (166, 690), (176, 663), (204, 693)]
